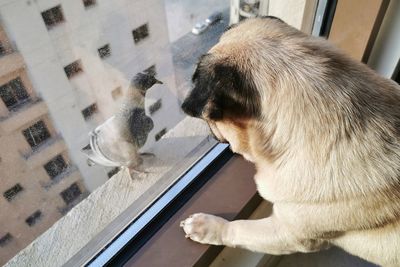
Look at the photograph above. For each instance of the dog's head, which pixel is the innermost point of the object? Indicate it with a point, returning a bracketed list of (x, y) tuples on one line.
[(230, 81)]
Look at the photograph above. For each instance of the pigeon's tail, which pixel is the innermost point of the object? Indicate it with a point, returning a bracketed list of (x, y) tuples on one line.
[(139, 125)]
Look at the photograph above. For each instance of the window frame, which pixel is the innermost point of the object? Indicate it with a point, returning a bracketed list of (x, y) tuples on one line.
[(104, 51), (89, 4), (54, 162), (71, 191), (55, 21), (98, 252), (11, 193), (17, 90), (46, 133), (34, 218), (75, 66), (141, 33), (89, 111)]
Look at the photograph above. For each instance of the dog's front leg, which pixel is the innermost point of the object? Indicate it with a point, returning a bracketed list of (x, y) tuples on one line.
[(265, 235)]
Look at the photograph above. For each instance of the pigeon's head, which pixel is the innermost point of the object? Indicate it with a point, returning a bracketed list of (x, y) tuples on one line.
[(144, 81)]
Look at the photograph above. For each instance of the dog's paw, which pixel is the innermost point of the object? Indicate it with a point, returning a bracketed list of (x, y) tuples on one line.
[(204, 228)]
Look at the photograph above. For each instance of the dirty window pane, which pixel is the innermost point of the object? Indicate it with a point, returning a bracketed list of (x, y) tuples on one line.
[(34, 218), (71, 193), (90, 96), (13, 93), (36, 134), (11, 193), (140, 33), (53, 16), (55, 166)]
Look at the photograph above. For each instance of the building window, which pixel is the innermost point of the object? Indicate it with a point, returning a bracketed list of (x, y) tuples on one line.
[(11, 193), (53, 16), (160, 134), (151, 70), (113, 172), (140, 33), (55, 166), (5, 239), (73, 69), (71, 193), (116, 93), (154, 107), (2, 50), (104, 51), (89, 111), (14, 94), (34, 218), (89, 3), (36, 134)]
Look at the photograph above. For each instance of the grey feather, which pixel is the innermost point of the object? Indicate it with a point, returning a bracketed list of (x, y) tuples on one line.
[(116, 142)]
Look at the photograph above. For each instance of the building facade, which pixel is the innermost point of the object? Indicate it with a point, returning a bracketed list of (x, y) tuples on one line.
[(64, 68)]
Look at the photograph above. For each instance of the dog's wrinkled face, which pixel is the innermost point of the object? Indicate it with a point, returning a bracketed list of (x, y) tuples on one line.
[(232, 81), (223, 94)]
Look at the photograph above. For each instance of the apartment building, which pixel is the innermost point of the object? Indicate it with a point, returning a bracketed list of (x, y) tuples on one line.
[(64, 67), (38, 181)]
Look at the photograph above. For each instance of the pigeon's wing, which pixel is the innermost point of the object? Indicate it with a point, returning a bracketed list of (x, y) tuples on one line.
[(139, 125)]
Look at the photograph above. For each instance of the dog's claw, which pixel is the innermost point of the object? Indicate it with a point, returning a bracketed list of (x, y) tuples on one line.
[(182, 224)]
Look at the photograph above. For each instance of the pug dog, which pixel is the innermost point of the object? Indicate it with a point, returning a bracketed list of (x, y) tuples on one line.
[(323, 131)]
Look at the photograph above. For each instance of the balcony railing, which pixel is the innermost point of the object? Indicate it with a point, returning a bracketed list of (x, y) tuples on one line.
[(39, 148), (66, 172)]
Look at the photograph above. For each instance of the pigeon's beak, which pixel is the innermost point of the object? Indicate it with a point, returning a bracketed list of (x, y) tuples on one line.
[(159, 82)]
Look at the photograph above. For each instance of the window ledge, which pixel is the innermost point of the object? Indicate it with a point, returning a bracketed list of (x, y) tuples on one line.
[(231, 194), (86, 220)]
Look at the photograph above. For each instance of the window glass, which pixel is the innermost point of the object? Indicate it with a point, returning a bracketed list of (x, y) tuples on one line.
[(104, 51), (11, 193), (36, 134), (34, 218), (90, 117), (13, 93), (53, 16), (140, 33), (71, 193), (55, 166)]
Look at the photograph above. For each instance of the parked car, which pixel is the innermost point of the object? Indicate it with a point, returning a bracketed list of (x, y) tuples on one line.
[(213, 18), (199, 28)]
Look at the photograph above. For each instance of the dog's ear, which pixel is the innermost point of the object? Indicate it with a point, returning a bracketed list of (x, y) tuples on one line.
[(221, 90)]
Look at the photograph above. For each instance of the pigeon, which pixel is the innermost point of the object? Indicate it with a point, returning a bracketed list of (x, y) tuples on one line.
[(116, 142)]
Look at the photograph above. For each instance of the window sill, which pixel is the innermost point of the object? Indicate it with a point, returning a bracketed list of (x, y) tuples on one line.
[(230, 193)]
